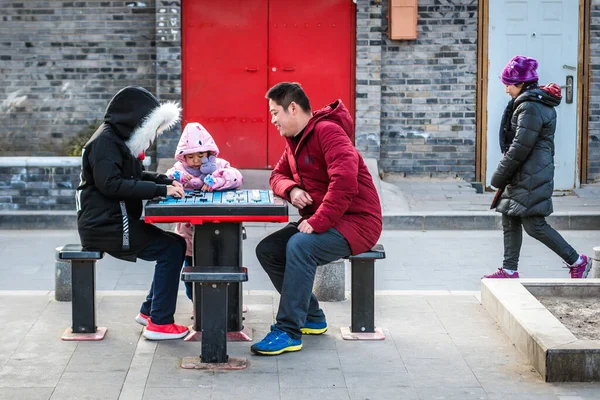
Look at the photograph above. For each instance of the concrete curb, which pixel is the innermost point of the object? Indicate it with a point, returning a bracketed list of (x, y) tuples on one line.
[(550, 347), (482, 220), (411, 221)]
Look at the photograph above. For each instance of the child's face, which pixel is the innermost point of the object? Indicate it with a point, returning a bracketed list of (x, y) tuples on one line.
[(194, 160)]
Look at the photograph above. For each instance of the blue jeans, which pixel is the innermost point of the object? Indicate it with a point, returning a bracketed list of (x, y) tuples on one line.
[(168, 250), (188, 285), (290, 258)]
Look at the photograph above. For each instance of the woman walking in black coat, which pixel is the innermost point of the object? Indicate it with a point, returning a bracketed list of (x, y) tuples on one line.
[(525, 175)]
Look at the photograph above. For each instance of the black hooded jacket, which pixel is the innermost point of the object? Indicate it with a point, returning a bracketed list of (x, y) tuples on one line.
[(526, 172), (113, 181)]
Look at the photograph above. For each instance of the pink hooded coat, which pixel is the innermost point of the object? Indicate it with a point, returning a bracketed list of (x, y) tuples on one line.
[(196, 139)]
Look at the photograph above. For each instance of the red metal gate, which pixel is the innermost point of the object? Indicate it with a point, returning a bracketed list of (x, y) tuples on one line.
[(234, 51)]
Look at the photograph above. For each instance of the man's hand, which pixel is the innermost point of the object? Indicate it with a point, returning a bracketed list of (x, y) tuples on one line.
[(300, 198), (177, 184), (305, 227), (175, 191)]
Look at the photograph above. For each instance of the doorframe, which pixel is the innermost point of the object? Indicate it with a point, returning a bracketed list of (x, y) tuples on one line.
[(583, 85)]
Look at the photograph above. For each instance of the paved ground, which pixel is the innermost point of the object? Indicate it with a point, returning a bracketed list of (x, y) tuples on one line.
[(433, 260), (437, 347), (441, 343), (420, 194)]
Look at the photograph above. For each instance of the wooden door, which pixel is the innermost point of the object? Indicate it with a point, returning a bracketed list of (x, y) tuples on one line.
[(234, 51)]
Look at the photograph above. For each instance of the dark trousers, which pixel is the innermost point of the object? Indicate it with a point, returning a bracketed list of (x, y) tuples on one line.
[(188, 285), (537, 228), (168, 250), (290, 258)]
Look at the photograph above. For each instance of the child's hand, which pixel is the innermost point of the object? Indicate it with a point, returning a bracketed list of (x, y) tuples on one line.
[(186, 177), (206, 188)]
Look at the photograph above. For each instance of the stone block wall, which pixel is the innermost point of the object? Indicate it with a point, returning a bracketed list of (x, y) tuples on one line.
[(28, 184), (426, 88), (168, 67), (60, 63)]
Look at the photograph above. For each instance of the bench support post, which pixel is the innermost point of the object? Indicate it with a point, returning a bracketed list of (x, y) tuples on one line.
[(214, 334), (83, 300), (362, 324), (224, 249), (363, 296)]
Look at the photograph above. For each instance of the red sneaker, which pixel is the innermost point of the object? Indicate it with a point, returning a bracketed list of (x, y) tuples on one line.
[(153, 331), (501, 273), (142, 319)]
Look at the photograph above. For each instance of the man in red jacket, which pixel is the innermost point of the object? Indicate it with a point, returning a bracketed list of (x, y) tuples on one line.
[(326, 179)]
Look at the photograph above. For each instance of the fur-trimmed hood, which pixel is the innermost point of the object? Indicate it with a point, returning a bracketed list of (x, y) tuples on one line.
[(138, 118), (195, 139)]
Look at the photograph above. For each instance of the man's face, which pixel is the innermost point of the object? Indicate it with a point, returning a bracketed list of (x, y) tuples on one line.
[(284, 120)]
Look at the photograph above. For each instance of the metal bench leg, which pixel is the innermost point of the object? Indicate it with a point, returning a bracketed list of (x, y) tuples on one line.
[(214, 323), (84, 298), (83, 303), (214, 299), (363, 296), (363, 303)]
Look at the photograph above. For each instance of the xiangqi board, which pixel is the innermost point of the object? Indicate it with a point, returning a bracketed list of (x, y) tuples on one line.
[(225, 206)]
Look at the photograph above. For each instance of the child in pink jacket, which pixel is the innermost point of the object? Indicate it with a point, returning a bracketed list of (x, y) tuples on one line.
[(198, 167)]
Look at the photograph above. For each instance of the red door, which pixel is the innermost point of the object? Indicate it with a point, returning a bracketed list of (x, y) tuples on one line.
[(224, 75), (311, 42), (234, 51)]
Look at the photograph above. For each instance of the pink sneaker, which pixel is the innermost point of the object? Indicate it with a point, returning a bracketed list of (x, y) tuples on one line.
[(581, 270), (142, 319), (164, 332), (501, 273)]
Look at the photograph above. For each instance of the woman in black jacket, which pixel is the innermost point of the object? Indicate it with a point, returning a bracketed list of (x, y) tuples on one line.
[(109, 201), (525, 175)]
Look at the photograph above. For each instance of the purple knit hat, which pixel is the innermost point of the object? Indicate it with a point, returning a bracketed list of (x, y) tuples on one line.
[(520, 69)]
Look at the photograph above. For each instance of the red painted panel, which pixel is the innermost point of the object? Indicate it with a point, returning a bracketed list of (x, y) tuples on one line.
[(311, 42), (224, 76)]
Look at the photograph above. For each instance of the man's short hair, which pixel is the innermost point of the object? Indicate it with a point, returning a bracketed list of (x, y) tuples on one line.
[(285, 92)]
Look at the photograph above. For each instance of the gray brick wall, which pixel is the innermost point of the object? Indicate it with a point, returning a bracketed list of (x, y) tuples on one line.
[(38, 188), (594, 101), (427, 90), (60, 63), (168, 67), (368, 77)]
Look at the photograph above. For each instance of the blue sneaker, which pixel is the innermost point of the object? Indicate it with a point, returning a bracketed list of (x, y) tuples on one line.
[(276, 342), (314, 328)]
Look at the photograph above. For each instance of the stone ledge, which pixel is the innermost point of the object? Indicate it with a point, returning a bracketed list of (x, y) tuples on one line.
[(416, 221), (554, 351), (481, 220)]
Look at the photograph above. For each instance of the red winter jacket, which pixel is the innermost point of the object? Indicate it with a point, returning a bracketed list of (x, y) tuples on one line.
[(326, 164)]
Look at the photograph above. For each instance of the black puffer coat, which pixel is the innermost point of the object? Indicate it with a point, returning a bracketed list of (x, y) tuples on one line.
[(113, 181), (526, 172)]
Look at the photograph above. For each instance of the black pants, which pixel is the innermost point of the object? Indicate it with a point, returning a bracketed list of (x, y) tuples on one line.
[(537, 228)]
